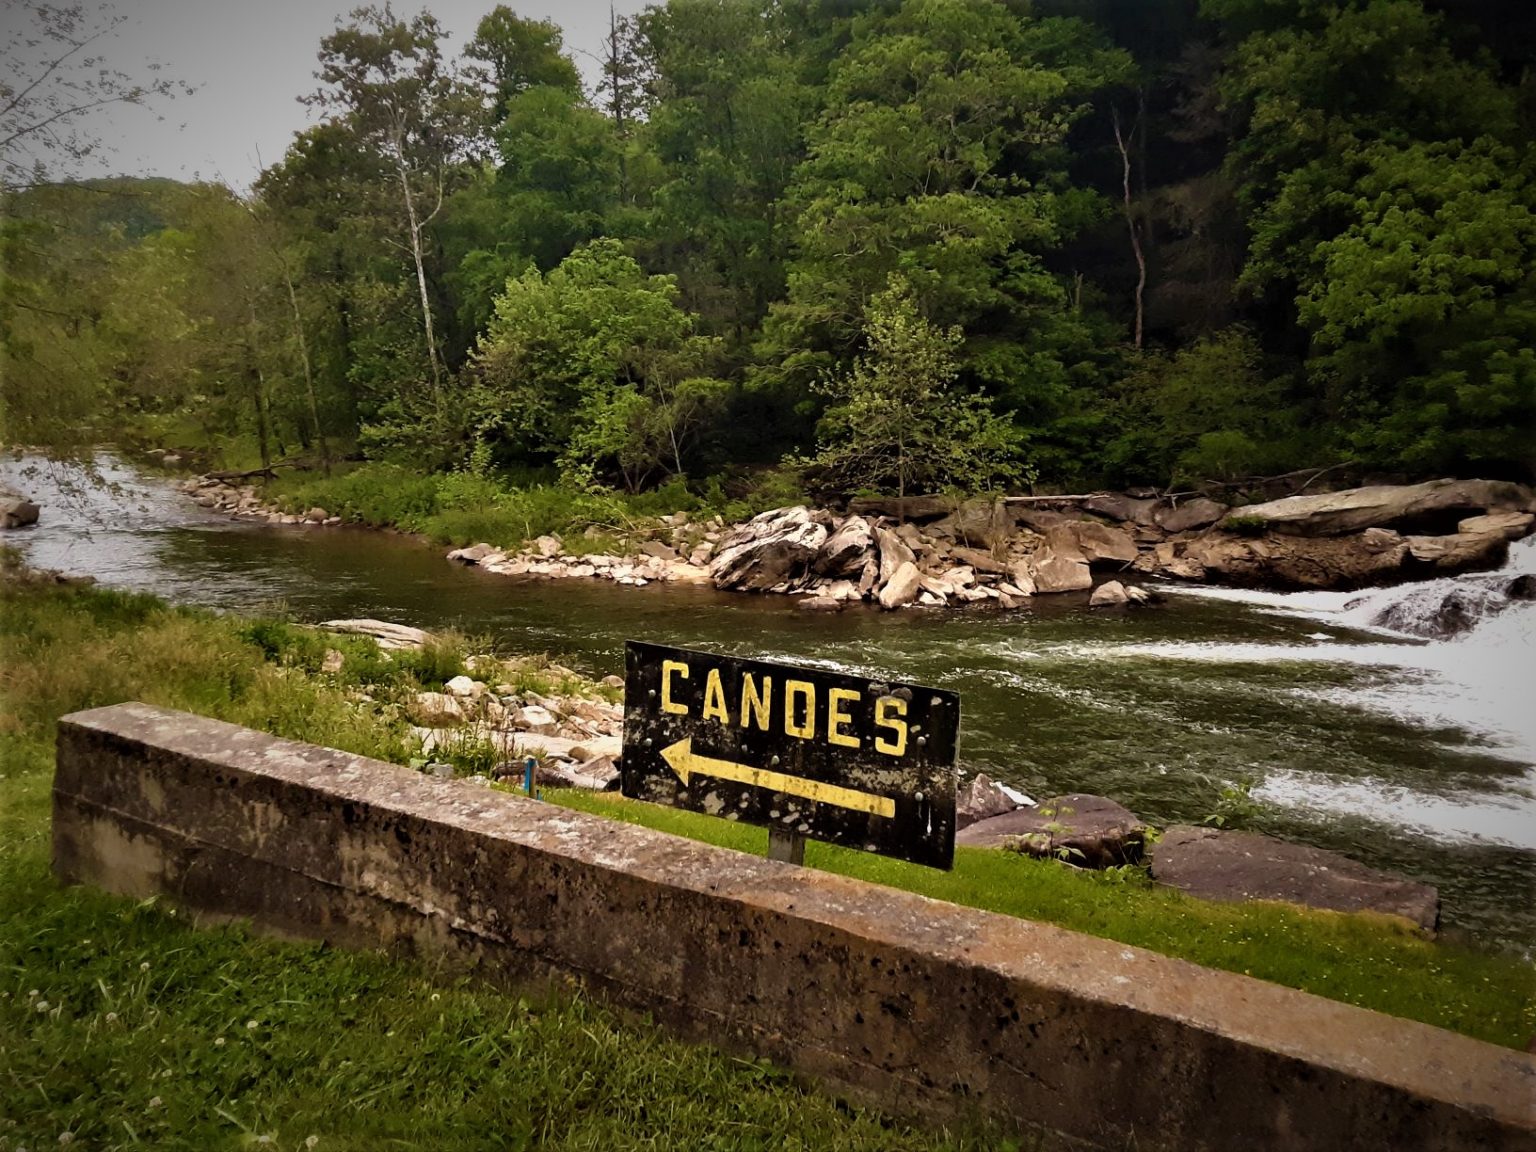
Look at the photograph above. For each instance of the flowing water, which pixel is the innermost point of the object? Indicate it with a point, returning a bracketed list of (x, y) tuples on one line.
[(1410, 754)]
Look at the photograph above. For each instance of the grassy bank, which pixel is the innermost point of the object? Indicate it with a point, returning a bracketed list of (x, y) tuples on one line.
[(120, 1024), (459, 508)]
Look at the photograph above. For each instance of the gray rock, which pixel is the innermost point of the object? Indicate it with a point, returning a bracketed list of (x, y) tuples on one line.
[(894, 552), (535, 719), (1088, 831), (981, 799), (910, 508), (1221, 865), (1109, 595), (18, 513), (659, 550), (773, 548), (980, 561), (1126, 509), (1407, 507), (902, 588), (1052, 572), (845, 550), (1190, 515), (386, 635), (435, 709), (820, 604), (471, 555)]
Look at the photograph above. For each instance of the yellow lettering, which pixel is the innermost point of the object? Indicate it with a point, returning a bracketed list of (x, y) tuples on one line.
[(807, 694), (757, 702), (889, 711), (714, 698), (837, 716), (668, 667)]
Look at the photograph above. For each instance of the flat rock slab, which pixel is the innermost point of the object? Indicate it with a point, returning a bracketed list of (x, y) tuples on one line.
[(1089, 831), (1221, 865)]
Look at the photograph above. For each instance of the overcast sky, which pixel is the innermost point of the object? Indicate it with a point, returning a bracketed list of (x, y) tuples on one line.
[(252, 59)]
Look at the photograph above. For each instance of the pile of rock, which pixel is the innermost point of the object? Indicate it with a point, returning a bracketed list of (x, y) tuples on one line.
[(678, 552), (242, 502), (576, 738)]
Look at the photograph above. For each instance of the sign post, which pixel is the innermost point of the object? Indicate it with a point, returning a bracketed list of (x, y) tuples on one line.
[(806, 753)]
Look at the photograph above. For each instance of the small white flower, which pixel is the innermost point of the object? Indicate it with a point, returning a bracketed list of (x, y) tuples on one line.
[(111, 1017), (66, 1137), (155, 1102), (251, 1025), (32, 995), (311, 1141), (219, 1043), (436, 996), (42, 1005), (144, 966)]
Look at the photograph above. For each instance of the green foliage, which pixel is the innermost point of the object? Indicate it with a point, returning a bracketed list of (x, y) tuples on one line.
[(896, 422)]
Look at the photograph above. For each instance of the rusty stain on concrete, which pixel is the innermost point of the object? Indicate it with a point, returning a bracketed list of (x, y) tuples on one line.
[(915, 1005)]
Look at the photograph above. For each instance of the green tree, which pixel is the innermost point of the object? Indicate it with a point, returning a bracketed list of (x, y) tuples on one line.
[(898, 423), (387, 79), (594, 365), (515, 54)]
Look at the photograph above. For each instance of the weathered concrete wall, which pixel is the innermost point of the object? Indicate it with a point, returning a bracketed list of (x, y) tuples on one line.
[(886, 996)]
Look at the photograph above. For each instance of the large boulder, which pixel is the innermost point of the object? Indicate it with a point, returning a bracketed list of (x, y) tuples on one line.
[(1050, 571), (1222, 865), (903, 586), (385, 634), (982, 798), (1089, 831), (17, 513), (770, 549), (1296, 562), (894, 552), (845, 550), (1189, 515), (1110, 595), (1101, 544), (1428, 508), (977, 523), (1125, 509)]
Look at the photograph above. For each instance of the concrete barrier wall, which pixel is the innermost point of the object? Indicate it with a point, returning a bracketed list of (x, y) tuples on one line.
[(886, 997)]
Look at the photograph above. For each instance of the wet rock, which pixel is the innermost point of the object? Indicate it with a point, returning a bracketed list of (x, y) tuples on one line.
[(471, 555), (1088, 831), (981, 798), (1220, 865), (1109, 595), (1190, 515), (1296, 561), (317, 515), (773, 548), (902, 588), (1510, 525), (18, 513), (845, 551), (820, 604)]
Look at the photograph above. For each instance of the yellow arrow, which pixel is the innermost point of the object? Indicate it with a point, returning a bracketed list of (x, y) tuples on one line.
[(686, 762)]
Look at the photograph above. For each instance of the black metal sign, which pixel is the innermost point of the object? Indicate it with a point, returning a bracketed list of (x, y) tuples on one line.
[(866, 764)]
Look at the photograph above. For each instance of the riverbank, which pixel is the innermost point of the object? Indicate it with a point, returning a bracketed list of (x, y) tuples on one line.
[(68, 648), (923, 552)]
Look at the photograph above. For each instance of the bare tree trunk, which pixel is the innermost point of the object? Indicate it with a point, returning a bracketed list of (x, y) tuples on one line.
[(421, 279), (1130, 222)]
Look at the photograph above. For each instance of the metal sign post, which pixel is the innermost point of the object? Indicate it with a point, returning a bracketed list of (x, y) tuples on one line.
[(803, 752)]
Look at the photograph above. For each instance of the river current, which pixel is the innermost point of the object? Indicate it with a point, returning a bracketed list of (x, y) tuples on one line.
[(1410, 754)]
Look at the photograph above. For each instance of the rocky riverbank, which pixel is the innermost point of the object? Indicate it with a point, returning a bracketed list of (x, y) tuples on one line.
[(930, 552)]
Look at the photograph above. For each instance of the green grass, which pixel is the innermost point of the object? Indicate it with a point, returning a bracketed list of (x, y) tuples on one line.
[(1373, 961), (123, 1026), (363, 1051), (459, 509)]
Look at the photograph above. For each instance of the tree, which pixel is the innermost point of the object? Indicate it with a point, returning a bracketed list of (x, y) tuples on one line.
[(594, 365), (387, 78), (897, 423), (516, 54), (54, 81)]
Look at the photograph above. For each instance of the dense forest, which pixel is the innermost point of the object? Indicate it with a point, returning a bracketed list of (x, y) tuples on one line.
[(873, 246)]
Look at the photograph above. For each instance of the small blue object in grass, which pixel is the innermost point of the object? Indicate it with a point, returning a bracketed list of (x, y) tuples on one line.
[(528, 766)]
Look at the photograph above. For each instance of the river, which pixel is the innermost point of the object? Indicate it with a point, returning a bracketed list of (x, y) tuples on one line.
[(1410, 755)]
